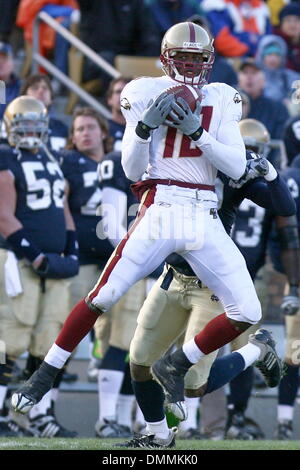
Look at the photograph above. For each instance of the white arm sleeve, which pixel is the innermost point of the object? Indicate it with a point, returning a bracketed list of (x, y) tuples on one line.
[(135, 151), (114, 211), (227, 151), (135, 154), (230, 158)]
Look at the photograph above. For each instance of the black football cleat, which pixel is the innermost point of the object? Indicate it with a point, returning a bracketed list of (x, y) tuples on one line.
[(149, 441), (32, 391), (48, 426), (284, 431), (268, 363), (169, 372)]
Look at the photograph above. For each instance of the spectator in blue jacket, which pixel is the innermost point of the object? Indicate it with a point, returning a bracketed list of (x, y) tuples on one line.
[(272, 113), (272, 56)]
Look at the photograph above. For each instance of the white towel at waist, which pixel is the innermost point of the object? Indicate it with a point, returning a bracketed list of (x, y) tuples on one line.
[(13, 286)]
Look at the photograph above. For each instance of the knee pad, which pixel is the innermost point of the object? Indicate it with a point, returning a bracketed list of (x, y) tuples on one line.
[(107, 296), (248, 313)]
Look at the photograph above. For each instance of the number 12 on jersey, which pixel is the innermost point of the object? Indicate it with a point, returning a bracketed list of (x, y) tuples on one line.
[(187, 146)]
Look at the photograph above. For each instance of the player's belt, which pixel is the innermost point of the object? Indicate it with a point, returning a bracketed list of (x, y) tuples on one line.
[(139, 188)]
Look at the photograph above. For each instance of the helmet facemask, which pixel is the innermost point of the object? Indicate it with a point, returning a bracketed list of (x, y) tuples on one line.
[(187, 72), (28, 131)]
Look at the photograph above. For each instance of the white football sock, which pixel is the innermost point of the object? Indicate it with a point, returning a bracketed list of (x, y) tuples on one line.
[(3, 392), (57, 356), (250, 353), (285, 412), (192, 409), (160, 429), (192, 352), (41, 407), (124, 410), (109, 386)]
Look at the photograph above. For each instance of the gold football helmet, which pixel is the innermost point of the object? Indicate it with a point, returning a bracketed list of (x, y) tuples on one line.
[(26, 121), (187, 37), (255, 135)]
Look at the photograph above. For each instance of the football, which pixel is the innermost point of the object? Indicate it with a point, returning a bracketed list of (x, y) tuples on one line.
[(190, 94)]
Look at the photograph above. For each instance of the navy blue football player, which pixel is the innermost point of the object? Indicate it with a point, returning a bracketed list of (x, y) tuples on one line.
[(287, 239), (251, 233), (272, 194), (37, 252)]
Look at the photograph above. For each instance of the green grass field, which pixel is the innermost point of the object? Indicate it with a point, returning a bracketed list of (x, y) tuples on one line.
[(109, 444)]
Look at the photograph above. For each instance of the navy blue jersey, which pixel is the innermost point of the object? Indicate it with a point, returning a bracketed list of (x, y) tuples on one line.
[(112, 175), (84, 199), (58, 134), (251, 209), (39, 184), (239, 207), (251, 232)]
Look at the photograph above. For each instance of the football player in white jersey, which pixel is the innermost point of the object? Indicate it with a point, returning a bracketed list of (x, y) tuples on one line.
[(181, 152)]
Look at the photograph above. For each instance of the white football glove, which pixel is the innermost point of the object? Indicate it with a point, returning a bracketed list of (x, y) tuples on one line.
[(157, 110), (183, 118), (255, 168)]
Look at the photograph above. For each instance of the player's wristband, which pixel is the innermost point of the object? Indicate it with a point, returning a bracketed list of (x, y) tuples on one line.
[(23, 246), (197, 134), (272, 173), (142, 130), (71, 248)]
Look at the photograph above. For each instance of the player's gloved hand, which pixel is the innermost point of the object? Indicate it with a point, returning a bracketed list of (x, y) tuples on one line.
[(291, 302), (255, 168), (183, 118), (154, 115), (55, 266)]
